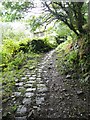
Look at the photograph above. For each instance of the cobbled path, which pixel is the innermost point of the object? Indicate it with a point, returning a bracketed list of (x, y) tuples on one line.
[(34, 90), (43, 93)]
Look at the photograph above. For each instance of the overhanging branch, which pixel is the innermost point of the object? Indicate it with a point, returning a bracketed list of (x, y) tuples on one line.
[(63, 18)]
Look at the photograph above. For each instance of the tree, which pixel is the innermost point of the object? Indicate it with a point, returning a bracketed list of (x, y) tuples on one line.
[(14, 10), (34, 22), (72, 14)]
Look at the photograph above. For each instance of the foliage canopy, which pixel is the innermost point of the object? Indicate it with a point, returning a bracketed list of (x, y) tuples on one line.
[(73, 14)]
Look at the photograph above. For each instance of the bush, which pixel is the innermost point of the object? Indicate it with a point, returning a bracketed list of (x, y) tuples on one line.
[(40, 46), (72, 56)]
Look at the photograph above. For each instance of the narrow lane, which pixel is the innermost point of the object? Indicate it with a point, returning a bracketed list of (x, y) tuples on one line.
[(44, 93), (34, 91)]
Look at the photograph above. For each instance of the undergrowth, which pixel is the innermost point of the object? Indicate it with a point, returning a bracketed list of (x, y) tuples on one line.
[(73, 58), (17, 57)]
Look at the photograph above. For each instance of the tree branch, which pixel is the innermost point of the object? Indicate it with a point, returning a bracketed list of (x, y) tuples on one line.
[(63, 18)]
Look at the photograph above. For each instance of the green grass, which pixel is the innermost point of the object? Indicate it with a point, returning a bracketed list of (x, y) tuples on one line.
[(12, 72)]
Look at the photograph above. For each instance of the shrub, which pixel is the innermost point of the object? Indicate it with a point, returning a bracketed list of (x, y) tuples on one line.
[(72, 56), (40, 46)]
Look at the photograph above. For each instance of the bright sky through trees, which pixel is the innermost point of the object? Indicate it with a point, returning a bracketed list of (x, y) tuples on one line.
[(37, 10)]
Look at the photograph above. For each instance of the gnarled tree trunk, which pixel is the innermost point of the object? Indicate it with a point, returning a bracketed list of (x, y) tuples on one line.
[(89, 15)]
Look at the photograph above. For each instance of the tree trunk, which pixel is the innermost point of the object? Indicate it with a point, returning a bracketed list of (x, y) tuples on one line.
[(80, 17), (89, 15)]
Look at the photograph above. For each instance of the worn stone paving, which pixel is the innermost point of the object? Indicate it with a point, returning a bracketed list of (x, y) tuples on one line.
[(44, 93), (30, 91), (66, 98)]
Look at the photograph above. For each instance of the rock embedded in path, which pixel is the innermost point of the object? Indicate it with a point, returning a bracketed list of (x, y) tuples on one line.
[(66, 95), (42, 90), (21, 118), (35, 107), (32, 78), (31, 114), (28, 85), (41, 85), (23, 78), (38, 79), (80, 92), (40, 94), (19, 84), (39, 75), (26, 101), (30, 89), (50, 109), (64, 90), (30, 82), (17, 94), (21, 111), (29, 94), (68, 77), (27, 75), (40, 70), (39, 100)]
